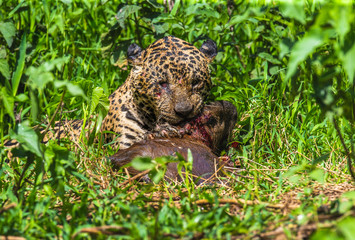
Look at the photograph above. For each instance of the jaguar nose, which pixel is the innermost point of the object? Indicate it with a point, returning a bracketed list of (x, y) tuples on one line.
[(183, 108)]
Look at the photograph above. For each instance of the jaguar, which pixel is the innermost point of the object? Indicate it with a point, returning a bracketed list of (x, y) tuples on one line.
[(168, 83), (206, 136)]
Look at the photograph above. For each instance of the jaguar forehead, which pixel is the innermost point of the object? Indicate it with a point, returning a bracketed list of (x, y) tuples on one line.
[(171, 72), (173, 49)]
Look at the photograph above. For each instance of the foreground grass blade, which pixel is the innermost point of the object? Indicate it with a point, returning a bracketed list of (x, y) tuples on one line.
[(16, 78)]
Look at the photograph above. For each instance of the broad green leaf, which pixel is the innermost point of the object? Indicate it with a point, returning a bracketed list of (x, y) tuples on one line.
[(156, 175), (274, 70), (38, 79), (8, 102), (202, 9), (260, 28), (3, 53), (99, 104), (177, 26), (59, 155), (175, 8), (161, 28), (97, 93), (40, 76), (8, 30), (349, 63), (320, 159), (27, 136), (269, 58), (303, 48), (318, 175), (125, 12), (73, 89), (67, 2), (21, 97), (99, 120), (345, 206), (285, 47), (164, 18), (342, 19), (155, 4), (16, 77), (325, 234), (346, 227), (58, 24), (108, 39), (143, 163), (164, 159), (349, 195), (294, 9), (57, 63), (4, 69), (237, 19), (208, 13)]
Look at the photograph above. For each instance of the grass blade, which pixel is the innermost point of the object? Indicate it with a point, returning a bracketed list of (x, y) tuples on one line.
[(20, 65)]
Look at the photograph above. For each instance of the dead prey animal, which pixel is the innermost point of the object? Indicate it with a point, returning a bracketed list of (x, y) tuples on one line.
[(205, 135)]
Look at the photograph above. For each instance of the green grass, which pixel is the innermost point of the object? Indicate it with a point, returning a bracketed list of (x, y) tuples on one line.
[(288, 68)]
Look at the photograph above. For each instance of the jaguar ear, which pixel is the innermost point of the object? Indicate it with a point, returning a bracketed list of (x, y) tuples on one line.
[(209, 48), (133, 53)]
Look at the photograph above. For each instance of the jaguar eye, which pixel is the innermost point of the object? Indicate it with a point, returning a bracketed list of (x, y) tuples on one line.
[(164, 84), (195, 82)]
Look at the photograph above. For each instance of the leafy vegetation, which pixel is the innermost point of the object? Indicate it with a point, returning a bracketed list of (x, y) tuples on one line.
[(289, 69)]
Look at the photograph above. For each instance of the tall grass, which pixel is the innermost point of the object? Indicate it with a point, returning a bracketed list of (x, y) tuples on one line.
[(288, 68)]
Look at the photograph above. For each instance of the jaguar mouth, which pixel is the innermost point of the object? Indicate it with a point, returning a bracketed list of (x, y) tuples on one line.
[(175, 120), (198, 128)]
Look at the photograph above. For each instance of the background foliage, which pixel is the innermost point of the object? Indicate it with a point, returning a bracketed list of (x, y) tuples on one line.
[(289, 69)]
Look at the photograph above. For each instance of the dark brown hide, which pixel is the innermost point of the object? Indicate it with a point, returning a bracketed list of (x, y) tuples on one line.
[(208, 135)]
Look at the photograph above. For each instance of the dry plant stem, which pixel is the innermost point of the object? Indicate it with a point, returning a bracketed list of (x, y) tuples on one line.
[(339, 174), (70, 111), (7, 207), (215, 173), (236, 169), (281, 230), (55, 113), (78, 145), (128, 175), (345, 148), (108, 230), (238, 175), (135, 177), (240, 202), (233, 172), (11, 238), (268, 177), (126, 171), (267, 169)]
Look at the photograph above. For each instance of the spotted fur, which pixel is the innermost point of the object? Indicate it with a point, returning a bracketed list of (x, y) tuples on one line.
[(168, 83)]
